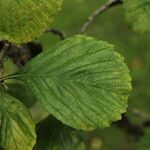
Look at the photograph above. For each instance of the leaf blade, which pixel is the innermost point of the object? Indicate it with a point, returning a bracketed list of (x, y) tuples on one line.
[(81, 81), (17, 129), (25, 20)]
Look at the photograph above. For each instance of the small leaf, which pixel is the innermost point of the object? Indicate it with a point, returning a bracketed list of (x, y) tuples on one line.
[(81, 81), (17, 129), (138, 14), (145, 141), (25, 20), (53, 135)]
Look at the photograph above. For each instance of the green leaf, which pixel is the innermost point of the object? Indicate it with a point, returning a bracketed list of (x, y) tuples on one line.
[(25, 20), (21, 92), (138, 14), (145, 140), (53, 135), (81, 81), (17, 129)]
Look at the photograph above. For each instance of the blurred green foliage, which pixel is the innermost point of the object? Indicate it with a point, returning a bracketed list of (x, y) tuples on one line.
[(144, 143), (110, 138)]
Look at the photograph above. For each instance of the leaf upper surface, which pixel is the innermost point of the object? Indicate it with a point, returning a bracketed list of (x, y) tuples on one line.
[(81, 81), (17, 129), (25, 20), (138, 14)]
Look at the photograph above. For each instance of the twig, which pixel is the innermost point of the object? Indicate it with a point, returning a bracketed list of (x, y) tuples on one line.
[(99, 11), (140, 114), (59, 33), (21, 54)]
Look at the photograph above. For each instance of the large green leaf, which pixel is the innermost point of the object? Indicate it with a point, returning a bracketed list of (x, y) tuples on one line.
[(138, 14), (17, 129), (81, 81), (54, 135), (24, 20), (144, 143)]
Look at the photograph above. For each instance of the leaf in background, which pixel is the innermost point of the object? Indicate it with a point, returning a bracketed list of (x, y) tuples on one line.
[(81, 81), (24, 20), (21, 92), (145, 141), (17, 129), (138, 14), (54, 135)]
